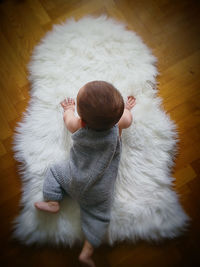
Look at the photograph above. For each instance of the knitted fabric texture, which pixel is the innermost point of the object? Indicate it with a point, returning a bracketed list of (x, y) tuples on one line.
[(88, 176)]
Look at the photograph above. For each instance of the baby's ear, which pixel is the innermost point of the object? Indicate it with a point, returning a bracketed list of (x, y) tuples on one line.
[(83, 124)]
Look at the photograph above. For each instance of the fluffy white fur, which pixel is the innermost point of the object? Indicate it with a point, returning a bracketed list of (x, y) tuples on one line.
[(76, 52)]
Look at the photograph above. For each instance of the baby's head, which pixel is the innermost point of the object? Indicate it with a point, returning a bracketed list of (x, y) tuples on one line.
[(100, 105)]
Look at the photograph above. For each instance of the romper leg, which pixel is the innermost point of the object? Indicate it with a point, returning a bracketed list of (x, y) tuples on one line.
[(51, 188)]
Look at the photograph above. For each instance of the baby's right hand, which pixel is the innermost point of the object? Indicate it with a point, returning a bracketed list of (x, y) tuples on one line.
[(130, 103)]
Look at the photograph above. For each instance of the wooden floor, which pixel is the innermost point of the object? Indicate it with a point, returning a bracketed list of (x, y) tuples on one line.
[(172, 30)]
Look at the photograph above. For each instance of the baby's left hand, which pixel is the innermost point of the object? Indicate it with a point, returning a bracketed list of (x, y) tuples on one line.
[(68, 104)]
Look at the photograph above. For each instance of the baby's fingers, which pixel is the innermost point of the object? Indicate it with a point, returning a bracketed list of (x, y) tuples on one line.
[(71, 101), (131, 98)]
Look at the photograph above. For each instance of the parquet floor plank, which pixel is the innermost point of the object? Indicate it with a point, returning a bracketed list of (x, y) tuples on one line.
[(2, 149), (184, 176), (40, 12), (5, 129), (12, 72)]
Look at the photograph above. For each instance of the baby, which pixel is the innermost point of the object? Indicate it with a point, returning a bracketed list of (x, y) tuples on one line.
[(90, 173)]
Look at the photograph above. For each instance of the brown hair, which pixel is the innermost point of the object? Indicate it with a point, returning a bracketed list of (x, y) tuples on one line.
[(100, 105)]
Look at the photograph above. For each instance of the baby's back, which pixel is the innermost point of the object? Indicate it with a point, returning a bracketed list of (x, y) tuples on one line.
[(92, 157)]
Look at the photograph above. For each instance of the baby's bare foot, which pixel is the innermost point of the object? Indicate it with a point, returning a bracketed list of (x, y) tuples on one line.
[(86, 260), (130, 103), (50, 206), (86, 253), (68, 103)]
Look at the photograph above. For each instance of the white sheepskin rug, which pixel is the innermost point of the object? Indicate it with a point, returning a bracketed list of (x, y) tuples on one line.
[(72, 54)]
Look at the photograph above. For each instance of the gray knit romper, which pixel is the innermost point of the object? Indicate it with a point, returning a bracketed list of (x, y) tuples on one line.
[(88, 176)]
